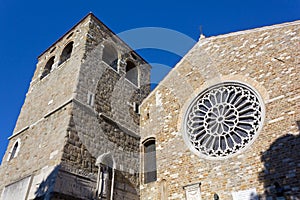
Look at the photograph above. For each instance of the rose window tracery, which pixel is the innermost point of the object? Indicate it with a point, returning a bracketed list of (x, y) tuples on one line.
[(223, 120)]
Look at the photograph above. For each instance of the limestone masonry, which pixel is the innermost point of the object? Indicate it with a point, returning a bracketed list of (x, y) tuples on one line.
[(90, 128)]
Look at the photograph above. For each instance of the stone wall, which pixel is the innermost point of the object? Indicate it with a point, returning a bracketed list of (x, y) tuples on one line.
[(39, 152), (114, 94), (108, 125), (58, 87), (80, 110), (45, 115), (267, 59)]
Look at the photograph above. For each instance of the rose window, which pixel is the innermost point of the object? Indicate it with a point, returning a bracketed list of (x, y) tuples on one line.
[(223, 120)]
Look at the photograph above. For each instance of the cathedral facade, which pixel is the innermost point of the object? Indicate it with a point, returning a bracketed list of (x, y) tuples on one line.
[(225, 120), (223, 124)]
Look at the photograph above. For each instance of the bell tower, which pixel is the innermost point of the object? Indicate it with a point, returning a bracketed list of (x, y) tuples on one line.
[(77, 135)]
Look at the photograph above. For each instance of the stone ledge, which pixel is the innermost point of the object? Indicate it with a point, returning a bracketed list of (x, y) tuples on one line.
[(125, 130)]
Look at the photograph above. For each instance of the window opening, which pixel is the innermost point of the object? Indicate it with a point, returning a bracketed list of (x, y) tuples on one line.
[(110, 56), (150, 171), (91, 98), (15, 150), (48, 67), (223, 120), (132, 72), (136, 108), (66, 53)]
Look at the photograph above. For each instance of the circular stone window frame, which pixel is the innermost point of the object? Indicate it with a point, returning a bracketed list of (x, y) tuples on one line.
[(194, 98)]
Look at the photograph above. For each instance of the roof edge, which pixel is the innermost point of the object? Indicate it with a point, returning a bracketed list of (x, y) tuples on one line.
[(91, 15), (116, 35), (262, 28), (71, 29), (207, 39)]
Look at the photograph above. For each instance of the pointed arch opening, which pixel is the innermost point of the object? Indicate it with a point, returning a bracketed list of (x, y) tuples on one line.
[(110, 56), (66, 53), (132, 72), (48, 67)]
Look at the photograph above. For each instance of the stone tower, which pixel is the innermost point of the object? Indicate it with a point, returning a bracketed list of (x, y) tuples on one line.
[(77, 135)]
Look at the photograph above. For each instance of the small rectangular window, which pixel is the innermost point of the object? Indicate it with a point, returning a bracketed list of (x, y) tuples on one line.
[(90, 98), (136, 107)]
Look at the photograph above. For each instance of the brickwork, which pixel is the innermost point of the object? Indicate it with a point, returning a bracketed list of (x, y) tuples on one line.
[(59, 86), (38, 147), (80, 110), (45, 115), (84, 110), (108, 126), (267, 59)]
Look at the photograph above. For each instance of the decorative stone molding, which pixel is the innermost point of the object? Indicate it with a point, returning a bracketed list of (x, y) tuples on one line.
[(223, 120), (192, 191)]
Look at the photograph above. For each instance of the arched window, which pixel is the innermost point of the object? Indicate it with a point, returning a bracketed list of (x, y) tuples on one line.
[(150, 170), (110, 56), (14, 151), (132, 72), (48, 67), (66, 53)]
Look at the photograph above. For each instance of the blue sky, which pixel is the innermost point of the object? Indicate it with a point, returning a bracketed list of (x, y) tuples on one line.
[(27, 28)]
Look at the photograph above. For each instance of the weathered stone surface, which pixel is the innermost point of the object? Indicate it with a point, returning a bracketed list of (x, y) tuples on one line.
[(83, 110), (266, 59), (80, 110)]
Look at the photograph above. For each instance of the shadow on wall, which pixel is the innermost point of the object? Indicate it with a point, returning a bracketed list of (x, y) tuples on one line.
[(126, 186), (43, 192), (281, 173)]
